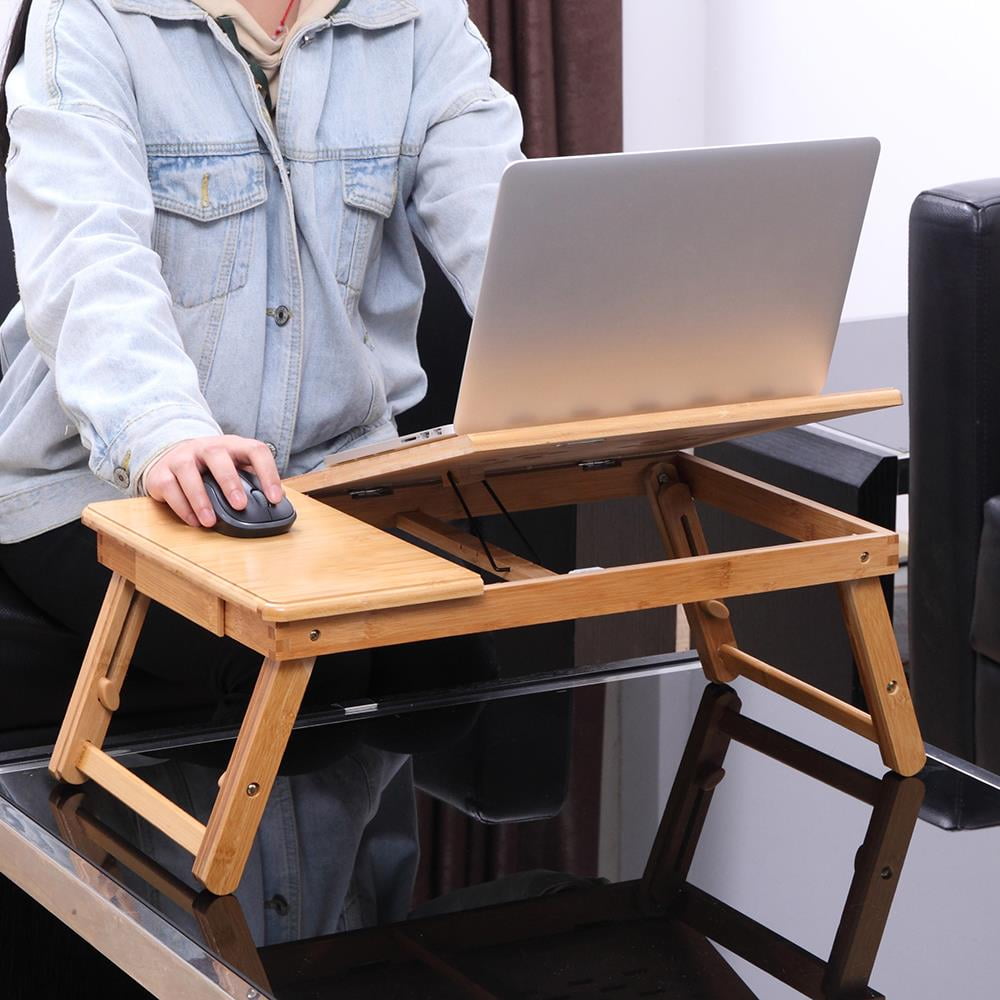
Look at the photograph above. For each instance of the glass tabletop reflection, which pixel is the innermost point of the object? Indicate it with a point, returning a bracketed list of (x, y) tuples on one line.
[(431, 848)]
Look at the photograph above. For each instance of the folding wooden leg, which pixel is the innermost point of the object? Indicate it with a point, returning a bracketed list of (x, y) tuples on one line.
[(680, 529), (892, 722), (95, 697), (246, 785), (881, 673)]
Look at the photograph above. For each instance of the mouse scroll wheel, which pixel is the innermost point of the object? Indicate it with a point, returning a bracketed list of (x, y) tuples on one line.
[(258, 497)]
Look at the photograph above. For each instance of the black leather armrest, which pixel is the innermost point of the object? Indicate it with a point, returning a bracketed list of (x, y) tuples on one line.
[(985, 639), (986, 613), (954, 335)]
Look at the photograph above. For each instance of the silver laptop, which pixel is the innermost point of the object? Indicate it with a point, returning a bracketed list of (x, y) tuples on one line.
[(639, 282)]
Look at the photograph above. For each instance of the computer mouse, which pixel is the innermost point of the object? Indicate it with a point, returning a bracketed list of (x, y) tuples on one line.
[(260, 517)]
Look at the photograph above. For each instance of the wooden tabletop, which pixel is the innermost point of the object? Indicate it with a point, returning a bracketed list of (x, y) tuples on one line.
[(473, 457), (329, 563), (333, 564)]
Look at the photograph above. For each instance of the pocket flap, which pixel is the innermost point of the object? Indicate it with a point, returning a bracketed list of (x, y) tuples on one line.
[(370, 183), (207, 187)]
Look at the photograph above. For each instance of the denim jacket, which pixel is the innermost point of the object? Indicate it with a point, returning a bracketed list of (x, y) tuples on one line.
[(189, 267)]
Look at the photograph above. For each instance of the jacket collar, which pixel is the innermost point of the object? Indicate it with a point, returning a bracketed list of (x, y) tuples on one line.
[(360, 13), (376, 13)]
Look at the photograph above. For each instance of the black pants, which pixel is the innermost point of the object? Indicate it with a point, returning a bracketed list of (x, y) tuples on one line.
[(58, 571)]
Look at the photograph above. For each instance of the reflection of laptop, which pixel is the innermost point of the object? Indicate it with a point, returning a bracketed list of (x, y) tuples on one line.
[(641, 282)]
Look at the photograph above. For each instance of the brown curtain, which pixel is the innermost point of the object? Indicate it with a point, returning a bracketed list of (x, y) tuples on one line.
[(562, 60)]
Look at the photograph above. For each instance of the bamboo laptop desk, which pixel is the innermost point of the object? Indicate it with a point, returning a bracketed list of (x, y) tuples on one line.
[(337, 581)]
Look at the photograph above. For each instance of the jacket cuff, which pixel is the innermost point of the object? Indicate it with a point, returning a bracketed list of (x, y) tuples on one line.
[(144, 440)]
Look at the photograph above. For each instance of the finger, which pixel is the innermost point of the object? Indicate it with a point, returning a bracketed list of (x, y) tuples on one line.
[(260, 459), (173, 496), (223, 469), (189, 479)]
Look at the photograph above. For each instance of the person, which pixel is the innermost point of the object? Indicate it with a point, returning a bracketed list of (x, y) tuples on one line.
[(215, 206)]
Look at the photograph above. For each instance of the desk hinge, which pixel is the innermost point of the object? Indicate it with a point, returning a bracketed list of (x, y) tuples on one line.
[(600, 463), (377, 491)]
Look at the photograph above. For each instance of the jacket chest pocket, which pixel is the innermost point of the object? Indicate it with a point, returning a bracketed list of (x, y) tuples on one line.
[(205, 219), (370, 186)]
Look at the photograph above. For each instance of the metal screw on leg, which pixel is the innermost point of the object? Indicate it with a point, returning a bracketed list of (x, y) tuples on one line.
[(668, 475), (891, 687), (252, 789)]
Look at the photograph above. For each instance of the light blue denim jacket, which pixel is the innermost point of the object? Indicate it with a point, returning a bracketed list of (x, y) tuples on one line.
[(189, 267)]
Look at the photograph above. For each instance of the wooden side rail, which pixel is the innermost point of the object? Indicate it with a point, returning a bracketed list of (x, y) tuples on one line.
[(578, 595), (765, 505)]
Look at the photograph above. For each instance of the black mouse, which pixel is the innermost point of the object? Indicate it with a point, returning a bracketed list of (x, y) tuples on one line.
[(260, 517)]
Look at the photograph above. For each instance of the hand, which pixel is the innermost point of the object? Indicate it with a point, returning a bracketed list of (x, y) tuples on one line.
[(175, 477)]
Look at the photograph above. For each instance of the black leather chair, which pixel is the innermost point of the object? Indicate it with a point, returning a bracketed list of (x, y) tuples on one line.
[(954, 569)]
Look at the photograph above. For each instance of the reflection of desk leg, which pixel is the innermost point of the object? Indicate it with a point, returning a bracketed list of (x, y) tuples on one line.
[(224, 927), (698, 773), (220, 918), (896, 805), (876, 875)]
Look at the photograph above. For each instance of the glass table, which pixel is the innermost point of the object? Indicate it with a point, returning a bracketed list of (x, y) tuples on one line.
[(786, 862)]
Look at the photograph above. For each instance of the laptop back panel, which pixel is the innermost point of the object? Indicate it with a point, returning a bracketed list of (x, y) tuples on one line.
[(656, 281)]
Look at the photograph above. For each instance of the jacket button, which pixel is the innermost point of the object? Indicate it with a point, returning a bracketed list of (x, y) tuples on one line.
[(272, 448), (282, 315), (120, 478)]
